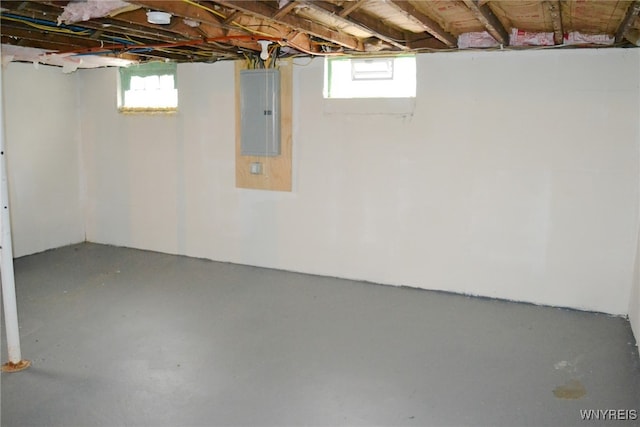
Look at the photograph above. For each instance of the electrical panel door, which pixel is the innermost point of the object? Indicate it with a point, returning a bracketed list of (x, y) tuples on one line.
[(260, 112)]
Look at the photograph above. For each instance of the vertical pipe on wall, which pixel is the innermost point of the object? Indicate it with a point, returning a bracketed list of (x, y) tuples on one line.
[(15, 362)]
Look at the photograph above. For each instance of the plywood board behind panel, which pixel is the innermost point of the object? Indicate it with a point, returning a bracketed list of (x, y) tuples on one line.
[(275, 171)]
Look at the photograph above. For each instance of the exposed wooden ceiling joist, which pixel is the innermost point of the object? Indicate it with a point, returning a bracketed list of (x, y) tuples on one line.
[(235, 15), (16, 31), (346, 10), (61, 48), (263, 10), (101, 28), (556, 20), (285, 10), (39, 44), (131, 32), (181, 9), (420, 42), (429, 25), (209, 30), (218, 23), (138, 19), (493, 26), (627, 22), (362, 21)]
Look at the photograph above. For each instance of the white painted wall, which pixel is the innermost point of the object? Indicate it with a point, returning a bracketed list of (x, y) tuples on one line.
[(634, 302), (515, 178), (42, 140), (634, 297)]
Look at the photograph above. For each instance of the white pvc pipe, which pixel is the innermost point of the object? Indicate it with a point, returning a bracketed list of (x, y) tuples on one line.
[(6, 252)]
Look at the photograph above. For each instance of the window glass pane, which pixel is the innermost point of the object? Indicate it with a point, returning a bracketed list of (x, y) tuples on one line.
[(370, 78), (137, 83), (372, 69), (152, 83), (166, 82), (148, 87)]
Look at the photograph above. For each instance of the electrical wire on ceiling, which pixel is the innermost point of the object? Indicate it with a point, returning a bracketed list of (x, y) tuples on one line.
[(124, 48), (254, 61), (63, 29), (324, 46), (43, 25), (126, 44), (221, 15)]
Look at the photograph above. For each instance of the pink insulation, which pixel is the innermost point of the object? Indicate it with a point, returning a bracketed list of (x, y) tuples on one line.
[(525, 38), (85, 10), (575, 37), (476, 40)]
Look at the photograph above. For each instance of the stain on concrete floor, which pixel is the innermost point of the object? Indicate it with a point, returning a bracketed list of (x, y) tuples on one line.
[(572, 389)]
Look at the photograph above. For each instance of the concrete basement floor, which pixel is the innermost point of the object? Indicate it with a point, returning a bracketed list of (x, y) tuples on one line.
[(121, 337)]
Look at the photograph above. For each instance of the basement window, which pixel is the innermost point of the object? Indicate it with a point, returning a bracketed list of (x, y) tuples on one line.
[(148, 87), (384, 77)]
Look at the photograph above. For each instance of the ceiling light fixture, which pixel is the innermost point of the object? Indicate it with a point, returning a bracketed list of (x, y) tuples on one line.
[(155, 17)]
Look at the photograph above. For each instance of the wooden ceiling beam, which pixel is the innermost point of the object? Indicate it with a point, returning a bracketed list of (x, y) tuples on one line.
[(57, 3), (263, 10), (21, 42), (212, 32), (226, 24), (102, 28), (122, 30), (217, 23), (235, 15), (133, 25), (419, 41), (23, 20), (301, 40), (483, 13), (34, 35), (118, 31), (38, 44), (93, 32), (110, 31), (182, 9), (285, 10), (211, 25), (429, 25), (138, 19), (293, 38), (351, 7), (164, 56), (556, 20), (39, 6), (361, 21), (23, 4), (628, 20), (96, 35)]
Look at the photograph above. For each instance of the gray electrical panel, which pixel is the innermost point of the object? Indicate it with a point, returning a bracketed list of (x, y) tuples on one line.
[(260, 112)]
